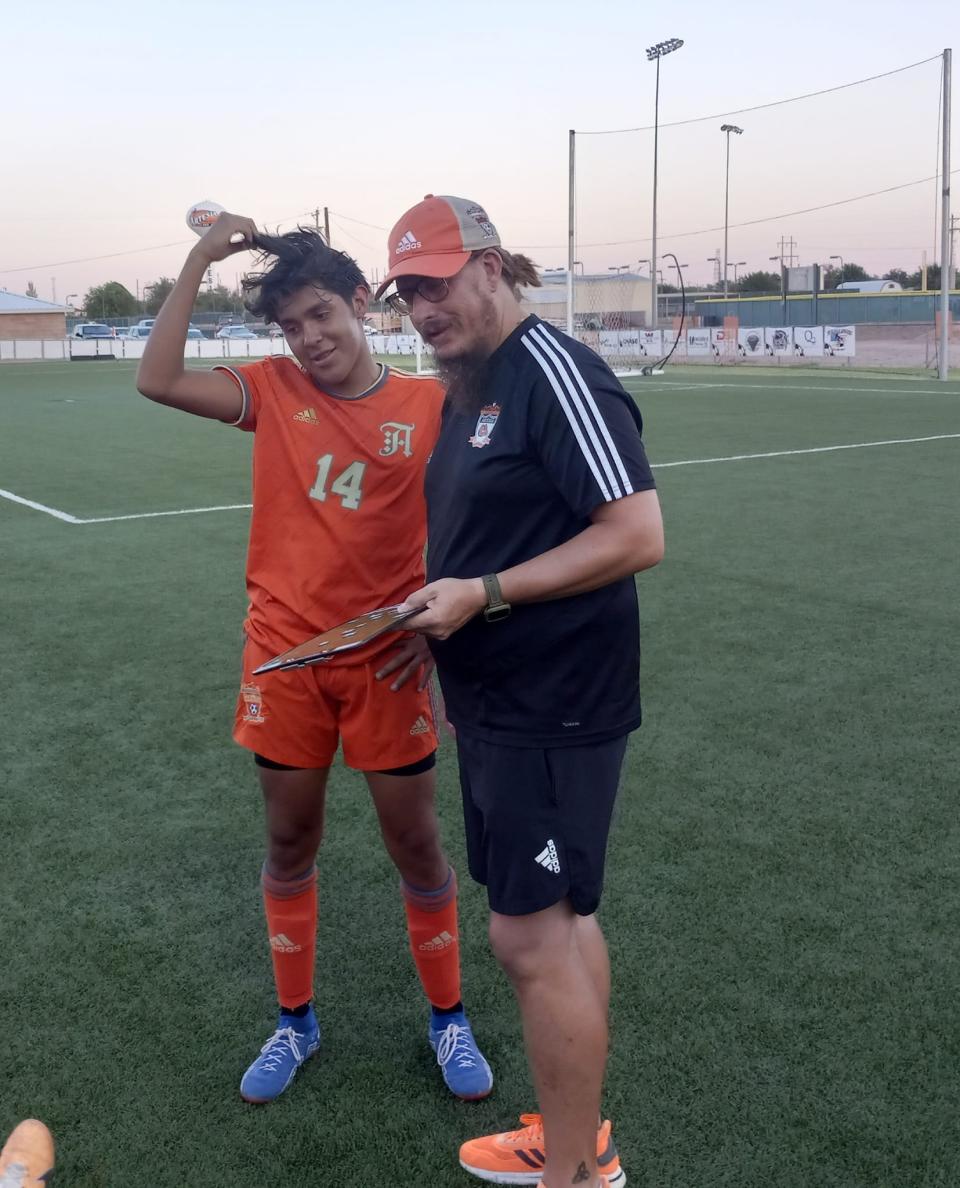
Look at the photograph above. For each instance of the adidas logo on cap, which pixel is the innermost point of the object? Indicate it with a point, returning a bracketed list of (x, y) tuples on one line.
[(408, 243), (548, 858)]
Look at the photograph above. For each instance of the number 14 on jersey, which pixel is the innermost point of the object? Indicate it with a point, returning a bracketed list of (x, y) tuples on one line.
[(348, 484)]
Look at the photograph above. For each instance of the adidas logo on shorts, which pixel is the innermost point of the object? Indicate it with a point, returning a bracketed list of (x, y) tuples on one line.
[(548, 858), (443, 941), (283, 944), (421, 726)]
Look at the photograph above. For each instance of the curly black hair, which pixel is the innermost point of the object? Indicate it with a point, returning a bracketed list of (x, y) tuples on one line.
[(299, 258)]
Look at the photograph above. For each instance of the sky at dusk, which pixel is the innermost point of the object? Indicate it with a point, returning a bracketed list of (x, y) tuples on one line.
[(117, 120)]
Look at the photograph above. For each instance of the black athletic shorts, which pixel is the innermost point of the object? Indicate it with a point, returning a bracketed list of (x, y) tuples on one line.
[(537, 821)]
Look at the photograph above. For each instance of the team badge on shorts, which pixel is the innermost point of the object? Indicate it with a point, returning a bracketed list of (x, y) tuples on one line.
[(253, 710), (485, 425)]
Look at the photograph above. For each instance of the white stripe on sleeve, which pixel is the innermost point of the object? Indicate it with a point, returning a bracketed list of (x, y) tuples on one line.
[(612, 453)]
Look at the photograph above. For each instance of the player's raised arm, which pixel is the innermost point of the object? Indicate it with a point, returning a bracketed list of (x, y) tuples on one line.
[(162, 375)]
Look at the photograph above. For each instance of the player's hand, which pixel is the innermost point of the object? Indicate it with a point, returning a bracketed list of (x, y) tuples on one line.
[(409, 658), (229, 234), (448, 604)]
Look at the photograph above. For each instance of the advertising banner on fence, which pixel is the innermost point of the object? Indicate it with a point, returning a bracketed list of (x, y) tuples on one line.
[(651, 342), (698, 342), (840, 340), (808, 342), (779, 341), (750, 343)]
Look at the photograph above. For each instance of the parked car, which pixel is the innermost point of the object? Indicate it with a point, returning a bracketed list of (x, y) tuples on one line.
[(195, 332), (92, 330), (121, 332), (235, 332), (139, 332), (148, 322)]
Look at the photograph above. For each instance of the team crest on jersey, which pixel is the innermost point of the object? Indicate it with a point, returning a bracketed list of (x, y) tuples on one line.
[(485, 425), (253, 710), (397, 439)]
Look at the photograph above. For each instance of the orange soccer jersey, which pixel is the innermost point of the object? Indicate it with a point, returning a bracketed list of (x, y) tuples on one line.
[(339, 520)]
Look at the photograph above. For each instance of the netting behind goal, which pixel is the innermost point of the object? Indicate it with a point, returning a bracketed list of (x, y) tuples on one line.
[(838, 179)]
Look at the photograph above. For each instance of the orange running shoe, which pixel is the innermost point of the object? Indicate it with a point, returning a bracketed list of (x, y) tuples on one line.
[(27, 1157), (518, 1156)]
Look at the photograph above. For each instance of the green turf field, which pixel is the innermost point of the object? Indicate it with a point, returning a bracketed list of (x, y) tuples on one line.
[(784, 878)]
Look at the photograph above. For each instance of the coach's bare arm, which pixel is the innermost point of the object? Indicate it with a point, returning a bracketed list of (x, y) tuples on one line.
[(161, 375), (624, 536)]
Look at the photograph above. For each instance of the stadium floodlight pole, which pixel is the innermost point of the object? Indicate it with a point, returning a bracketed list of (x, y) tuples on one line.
[(840, 258), (654, 54), (728, 128), (571, 249), (943, 369), (735, 265)]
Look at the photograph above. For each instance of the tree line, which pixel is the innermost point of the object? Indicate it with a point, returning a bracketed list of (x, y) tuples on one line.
[(114, 300)]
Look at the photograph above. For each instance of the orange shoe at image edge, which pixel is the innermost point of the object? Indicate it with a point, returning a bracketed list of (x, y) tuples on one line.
[(518, 1156), (27, 1157)]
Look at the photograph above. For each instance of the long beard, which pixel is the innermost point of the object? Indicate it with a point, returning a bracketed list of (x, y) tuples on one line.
[(465, 381), (465, 376)]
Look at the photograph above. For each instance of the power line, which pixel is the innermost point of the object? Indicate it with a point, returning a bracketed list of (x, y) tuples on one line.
[(749, 223), (763, 106), (157, 247)]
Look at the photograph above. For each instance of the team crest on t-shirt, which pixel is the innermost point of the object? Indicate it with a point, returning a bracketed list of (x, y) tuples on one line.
[(485, 423)]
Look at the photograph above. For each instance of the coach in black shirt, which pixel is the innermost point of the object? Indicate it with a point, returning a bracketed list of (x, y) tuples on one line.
[(541, 508)]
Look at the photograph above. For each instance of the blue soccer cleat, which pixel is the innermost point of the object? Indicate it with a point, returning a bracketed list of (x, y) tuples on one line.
[(294, 1041), (465, 1071)]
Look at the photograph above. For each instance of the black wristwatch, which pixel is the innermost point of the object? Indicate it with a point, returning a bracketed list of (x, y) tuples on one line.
[(496, 609)]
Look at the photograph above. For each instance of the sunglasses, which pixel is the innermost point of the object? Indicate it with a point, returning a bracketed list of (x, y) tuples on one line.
[(430, 288)]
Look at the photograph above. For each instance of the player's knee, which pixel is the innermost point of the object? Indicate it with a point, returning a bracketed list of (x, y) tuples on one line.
[(414, 847), (290, 850)]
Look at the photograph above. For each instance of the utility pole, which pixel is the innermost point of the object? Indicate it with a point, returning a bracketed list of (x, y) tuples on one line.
[(326, 224), (946, 226), (787, 257)]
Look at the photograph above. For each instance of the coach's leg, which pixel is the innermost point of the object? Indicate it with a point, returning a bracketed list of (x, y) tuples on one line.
[(553, 962)]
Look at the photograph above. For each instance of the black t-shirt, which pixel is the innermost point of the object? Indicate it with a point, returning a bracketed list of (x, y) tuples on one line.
[(557, 437)]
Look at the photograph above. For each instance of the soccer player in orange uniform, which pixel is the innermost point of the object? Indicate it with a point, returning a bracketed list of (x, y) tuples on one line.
[(338, 527)]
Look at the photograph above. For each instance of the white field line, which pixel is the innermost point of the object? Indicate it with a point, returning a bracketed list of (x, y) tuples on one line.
[(51, 511), (675, 385), (194, 511), (185, 511), (858, 445)]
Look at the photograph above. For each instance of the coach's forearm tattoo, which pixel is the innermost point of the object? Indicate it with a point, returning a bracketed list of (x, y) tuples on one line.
[(582, 1175)]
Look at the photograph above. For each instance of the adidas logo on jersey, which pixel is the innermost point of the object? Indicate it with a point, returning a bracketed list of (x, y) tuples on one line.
[(548, 858), (421, 726), (308, 416), (443, 941), (409, 243), (283, 944)]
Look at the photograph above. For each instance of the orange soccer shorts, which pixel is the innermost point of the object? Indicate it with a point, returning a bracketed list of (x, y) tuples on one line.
[(298, 717)]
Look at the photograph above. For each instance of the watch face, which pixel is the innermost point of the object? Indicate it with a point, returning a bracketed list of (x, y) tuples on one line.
[(493, 614)]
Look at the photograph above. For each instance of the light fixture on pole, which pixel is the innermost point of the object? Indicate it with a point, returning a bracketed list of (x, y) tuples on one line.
[(735, 265), (728, 128), (654, 54), (840, 258), (618, 268)]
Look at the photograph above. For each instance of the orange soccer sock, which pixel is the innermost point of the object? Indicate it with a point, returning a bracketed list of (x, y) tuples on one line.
[(291, 909), (435, 940)]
